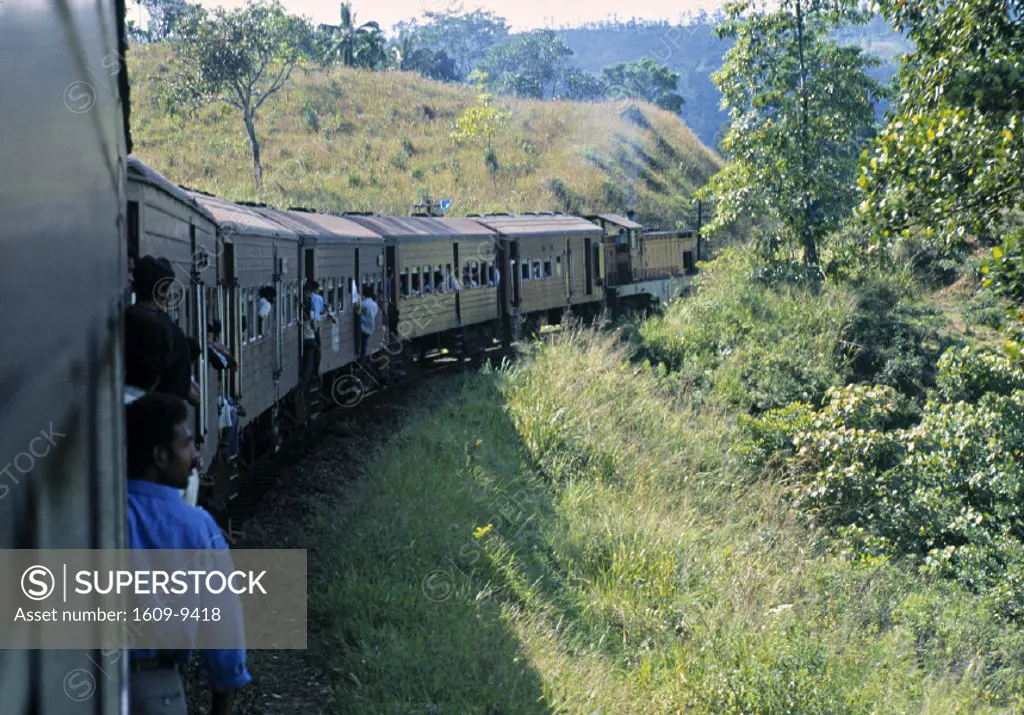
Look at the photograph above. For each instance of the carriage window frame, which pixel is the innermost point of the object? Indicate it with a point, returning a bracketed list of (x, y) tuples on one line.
[(524, 269), (416, 282), (558, 266), (549, 271), (535, 269), (448, 282)]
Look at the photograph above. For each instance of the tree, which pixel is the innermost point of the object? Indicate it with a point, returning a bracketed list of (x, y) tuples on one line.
[(582, 86), (352, 45), (647, 80), (800, 108), (948, 164), (239, 57), (481, 123), (163, 15), (526, 65), (466, 38), (435, 65)]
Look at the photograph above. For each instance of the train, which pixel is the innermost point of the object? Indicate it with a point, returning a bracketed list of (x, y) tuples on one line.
[(78, 208), (444, 285)]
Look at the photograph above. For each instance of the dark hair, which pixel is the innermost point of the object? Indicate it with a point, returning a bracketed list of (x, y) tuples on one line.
[(214, 327), (269, 293), (368, 291), (147, 347), (150, 276), (150, 422)]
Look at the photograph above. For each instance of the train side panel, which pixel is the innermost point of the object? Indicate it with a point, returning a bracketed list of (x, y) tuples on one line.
[(62, 278)]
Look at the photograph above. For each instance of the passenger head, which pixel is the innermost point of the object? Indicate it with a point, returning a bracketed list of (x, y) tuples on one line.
[(147, 348), (160, 444), (213, 329), (153, 279), (368, 291)]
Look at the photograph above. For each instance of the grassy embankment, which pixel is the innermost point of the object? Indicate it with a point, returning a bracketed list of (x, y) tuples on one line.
[(593, 539), (349, 140)]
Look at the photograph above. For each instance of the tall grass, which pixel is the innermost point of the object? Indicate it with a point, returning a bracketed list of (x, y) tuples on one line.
[(553, 540)]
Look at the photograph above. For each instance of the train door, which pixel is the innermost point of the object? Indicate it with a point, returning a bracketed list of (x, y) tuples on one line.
[(232, 320), (571, 267), (588, 263), (566, 255), (196, 313), (500, 267), (278, 323), (458, 294), (391, 290), (310, 265), (515, 273)]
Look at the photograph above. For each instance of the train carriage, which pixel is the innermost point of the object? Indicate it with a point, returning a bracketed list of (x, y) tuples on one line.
[(166, 222), (62, 281), (443, 280), (342, 256), (555, 263), (258, 258)]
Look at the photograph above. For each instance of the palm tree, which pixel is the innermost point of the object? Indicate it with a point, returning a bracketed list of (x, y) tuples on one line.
[(345, 42)]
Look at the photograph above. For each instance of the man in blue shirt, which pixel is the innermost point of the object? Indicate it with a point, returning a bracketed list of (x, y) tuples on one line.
[(161, 454)]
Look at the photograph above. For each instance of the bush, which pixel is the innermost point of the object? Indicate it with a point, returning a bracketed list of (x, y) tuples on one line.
[(946, 493), (967, 374)]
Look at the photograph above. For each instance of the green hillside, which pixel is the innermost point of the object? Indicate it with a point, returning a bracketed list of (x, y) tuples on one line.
[(349, 140)]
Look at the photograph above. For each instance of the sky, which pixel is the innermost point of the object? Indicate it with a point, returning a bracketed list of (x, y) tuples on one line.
[(520, 14)]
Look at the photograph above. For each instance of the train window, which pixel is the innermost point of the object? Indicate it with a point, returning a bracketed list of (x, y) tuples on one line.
[(558, 266), (548, 272), (526, 270), (492, 275), (403, 283), (688, 261), (483, 273), (250, 311), (449, 285), (536, 269), (416, 276), (439, 279)]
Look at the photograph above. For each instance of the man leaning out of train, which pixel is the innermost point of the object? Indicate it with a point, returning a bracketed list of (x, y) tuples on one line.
[(153, 281), (161, 452), (147, 351)]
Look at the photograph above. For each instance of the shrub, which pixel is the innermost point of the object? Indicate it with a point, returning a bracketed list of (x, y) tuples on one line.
[(968, 373), (946, 493)]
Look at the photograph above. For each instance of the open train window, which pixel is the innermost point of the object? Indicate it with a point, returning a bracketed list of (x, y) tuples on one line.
[(536, 269), (250, 311), (688, 261), (548, 271), (448, 281), (439, 279), (526, 270), (416, 276), (403, 283), (558, 266)]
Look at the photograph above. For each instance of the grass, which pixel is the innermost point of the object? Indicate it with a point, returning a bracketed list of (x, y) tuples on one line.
[(350, 140), (543, 540)]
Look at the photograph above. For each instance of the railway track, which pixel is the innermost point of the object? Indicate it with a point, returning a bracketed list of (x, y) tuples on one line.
[(260, 478)]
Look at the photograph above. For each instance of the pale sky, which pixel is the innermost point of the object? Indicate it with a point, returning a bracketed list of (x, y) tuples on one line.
[(520, 14)]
